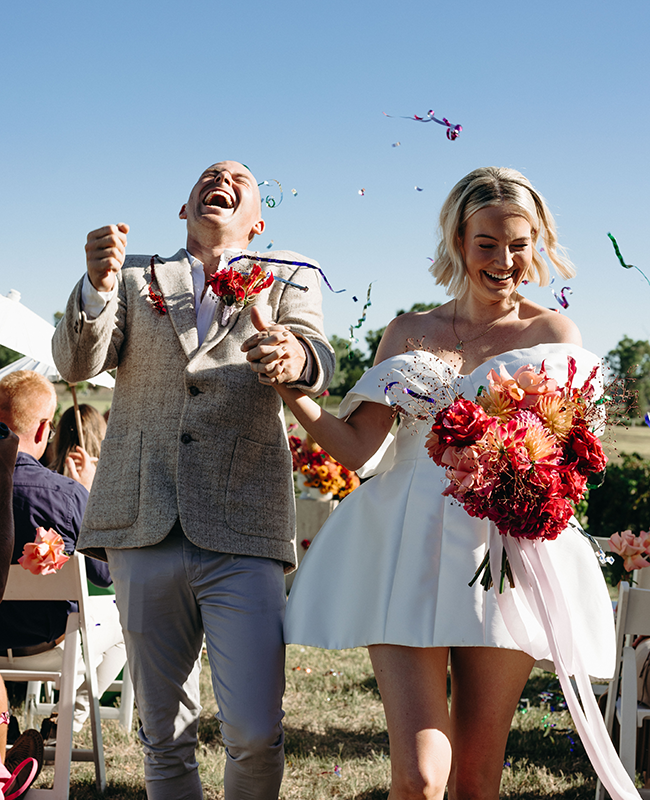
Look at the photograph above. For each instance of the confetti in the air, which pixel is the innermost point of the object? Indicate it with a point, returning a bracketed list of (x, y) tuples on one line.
[(453, 131), (270, 201), (362, 319), (560, 297), (622, 262)]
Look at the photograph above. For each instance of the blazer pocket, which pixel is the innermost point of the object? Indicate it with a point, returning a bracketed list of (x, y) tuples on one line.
[(115, 497), (259, 496)]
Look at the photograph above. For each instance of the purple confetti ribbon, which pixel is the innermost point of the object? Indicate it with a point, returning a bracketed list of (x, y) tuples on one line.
[(290, 264), (406, 390), (560, 297), (453, 131)]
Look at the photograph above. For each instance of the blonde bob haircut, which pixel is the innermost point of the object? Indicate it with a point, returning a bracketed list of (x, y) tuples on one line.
[(495, 186)]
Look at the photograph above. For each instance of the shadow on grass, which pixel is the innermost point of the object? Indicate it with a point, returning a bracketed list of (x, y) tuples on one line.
[(335, 742), (372, 794)]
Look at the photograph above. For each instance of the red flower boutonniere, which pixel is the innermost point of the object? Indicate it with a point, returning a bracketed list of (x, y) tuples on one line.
[(238, 289), (155, 298)]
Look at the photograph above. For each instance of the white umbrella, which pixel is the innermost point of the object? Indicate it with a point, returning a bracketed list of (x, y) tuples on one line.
[(27, 333)]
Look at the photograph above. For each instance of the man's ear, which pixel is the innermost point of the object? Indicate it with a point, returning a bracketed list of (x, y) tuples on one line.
[(43, 431), (257, 229), (182, 214)]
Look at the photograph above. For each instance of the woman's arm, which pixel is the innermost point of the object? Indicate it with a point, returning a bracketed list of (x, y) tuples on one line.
[(351, 441), (354, 440)]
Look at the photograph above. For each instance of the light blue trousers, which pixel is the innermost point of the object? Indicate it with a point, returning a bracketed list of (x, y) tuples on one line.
[(167, 596)]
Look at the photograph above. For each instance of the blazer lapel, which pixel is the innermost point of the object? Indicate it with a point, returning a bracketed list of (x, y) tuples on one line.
[(174, 279), (218, 331)]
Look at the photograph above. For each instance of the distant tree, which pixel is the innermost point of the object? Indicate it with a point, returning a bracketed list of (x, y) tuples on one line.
[(58, 316), (630, 362), (350, 366), (7, 356), (374, 337), (623, 501)]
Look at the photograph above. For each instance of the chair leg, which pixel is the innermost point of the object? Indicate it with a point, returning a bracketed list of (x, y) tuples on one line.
[(31, 701), (95, 719), (63, 757), (126, 700)]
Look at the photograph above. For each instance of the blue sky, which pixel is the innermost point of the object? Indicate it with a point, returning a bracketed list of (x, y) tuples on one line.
[(110, 111)]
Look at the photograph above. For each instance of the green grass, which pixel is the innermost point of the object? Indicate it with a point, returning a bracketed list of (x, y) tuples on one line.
[(337, 744)]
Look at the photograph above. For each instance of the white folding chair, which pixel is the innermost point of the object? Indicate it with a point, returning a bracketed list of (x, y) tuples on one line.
[(632, 619), (69, 583), (34, 706)]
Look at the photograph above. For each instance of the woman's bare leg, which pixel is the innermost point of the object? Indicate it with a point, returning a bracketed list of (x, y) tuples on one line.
[(486, 685), (413, 686)]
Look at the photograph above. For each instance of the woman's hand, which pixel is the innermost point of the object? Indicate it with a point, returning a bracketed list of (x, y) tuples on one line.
[(81, 466)]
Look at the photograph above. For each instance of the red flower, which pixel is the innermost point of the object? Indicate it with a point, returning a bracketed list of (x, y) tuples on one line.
[(239, 288), (461, 423), (585, 449)]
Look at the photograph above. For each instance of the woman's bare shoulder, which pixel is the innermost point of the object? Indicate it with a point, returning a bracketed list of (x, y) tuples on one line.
[(549, 325), (407, 331)]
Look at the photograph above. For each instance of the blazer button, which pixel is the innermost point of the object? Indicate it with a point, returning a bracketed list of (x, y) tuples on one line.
[(186, 438), (194, 390)]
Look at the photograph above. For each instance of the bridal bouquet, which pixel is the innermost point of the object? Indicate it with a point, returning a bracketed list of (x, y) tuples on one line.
[(521, 453), (320, 470), (238, 289), (46, 554)]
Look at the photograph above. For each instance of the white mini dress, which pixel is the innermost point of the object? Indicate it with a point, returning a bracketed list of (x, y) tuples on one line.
[(393, 562)]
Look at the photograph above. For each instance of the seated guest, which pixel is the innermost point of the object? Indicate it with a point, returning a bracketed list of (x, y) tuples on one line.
[(26, 755), (32, 633), (65, 454)]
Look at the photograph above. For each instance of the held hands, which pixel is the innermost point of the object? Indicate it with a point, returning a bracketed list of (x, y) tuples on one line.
[(105, 250), (274, 352), (81, 466)]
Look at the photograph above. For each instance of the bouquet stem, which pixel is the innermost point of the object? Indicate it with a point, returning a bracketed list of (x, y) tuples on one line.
[(485, 573)]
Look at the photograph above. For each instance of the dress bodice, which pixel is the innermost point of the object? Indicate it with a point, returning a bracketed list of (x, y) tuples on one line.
[(425, 375)]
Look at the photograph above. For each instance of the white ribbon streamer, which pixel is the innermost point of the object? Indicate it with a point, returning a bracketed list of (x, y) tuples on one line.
[(539, 592)]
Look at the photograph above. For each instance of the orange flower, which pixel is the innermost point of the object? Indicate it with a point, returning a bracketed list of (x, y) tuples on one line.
[(556, 414), (45, 555)]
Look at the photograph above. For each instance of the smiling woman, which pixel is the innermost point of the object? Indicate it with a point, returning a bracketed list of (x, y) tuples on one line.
[(391, 567)]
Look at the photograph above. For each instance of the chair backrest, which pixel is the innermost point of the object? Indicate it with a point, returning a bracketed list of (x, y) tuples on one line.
[(69, 583), (633, 612)]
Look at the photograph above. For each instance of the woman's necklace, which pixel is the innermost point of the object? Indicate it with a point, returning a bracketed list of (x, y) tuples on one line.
[(460, 346)]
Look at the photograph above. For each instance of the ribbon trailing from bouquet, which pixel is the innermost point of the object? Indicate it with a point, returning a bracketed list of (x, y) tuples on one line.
[(540, 594)]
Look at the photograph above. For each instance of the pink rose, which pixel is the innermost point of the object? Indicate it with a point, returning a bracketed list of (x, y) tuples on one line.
[(526, 386), (462, 464), (45, 555), (630, 548)]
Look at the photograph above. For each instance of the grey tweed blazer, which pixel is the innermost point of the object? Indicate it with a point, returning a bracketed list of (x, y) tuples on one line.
[(192, 434)]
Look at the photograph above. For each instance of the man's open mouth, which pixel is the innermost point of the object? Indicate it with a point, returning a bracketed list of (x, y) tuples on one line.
[(219, 198)]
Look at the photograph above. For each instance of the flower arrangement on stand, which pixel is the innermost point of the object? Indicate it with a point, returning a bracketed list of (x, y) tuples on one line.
[(319, 470), (521, 453), (629, 553)]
